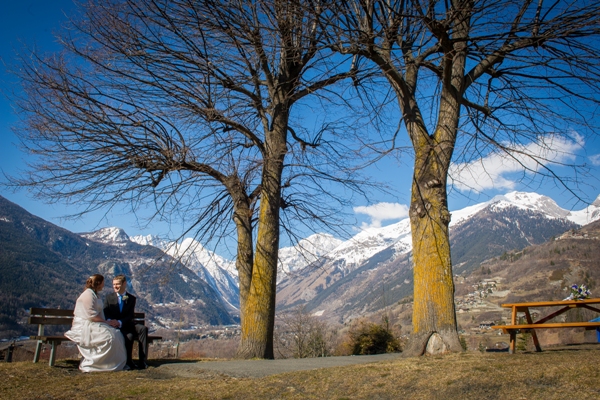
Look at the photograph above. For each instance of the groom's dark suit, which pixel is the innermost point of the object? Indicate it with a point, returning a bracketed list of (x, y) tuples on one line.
[(129, 328)]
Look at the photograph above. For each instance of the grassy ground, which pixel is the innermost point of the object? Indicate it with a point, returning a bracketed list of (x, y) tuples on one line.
[(553, 374)]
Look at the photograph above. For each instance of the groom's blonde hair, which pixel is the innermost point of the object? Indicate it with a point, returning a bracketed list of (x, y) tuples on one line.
[(121, 278)]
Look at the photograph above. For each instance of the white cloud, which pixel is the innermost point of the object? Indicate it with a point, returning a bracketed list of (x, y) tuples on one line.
[(382, 212), (490, 172), (595, 159)]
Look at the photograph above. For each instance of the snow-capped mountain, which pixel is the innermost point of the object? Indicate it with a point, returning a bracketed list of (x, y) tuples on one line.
[(313, 271), (213, 269), (345, 280), (46, 266), (218, 272), (151, 240), (588, 215), (112, 235), (221, 273), (371, 241), (295, 258), (353, 252), (532, 202)]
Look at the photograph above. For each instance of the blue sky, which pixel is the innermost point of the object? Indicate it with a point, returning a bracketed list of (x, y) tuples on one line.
[(32, 22)]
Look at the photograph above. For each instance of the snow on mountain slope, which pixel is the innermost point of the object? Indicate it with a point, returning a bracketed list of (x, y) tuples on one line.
[(151, 240), (295, 258), (587, 215), (523, 200), (342, 285), (533, 202), (530, 201), (351, 253), (218, 272), (326, 250), (112, 235), (465, 213)]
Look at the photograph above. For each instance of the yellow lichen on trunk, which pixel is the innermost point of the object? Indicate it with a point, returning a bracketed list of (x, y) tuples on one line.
[(433, 308), (259, 312), (245, 253), (433, 283)]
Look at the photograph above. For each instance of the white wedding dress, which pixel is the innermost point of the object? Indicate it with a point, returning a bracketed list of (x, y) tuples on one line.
[(102, 346)]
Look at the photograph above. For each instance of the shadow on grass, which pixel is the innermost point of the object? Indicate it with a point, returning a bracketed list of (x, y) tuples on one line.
[(69, 364), (164, 361), (497, 350), (569, 347), (572, 347)]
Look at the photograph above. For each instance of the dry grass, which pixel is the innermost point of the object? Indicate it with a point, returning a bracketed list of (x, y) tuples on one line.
[(554, 374)]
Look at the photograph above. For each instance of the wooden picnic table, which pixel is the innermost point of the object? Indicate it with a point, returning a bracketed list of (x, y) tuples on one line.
[(565, 305)]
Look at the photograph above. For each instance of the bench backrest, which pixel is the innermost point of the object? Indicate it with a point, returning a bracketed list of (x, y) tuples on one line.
[(50, 316), (56, 316)]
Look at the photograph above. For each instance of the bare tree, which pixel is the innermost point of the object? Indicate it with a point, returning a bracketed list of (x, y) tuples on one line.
[(187, 106), (301, 335), (474, 78)]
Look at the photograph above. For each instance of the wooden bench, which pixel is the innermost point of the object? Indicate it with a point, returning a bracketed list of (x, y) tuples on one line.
[(54, 316), (543, 323)]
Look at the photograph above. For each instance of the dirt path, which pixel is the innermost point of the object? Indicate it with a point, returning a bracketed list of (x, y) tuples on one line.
[(258, 368)]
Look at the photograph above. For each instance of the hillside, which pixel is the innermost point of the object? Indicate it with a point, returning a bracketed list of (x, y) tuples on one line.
[(490, 233), (43, 265), (543, 272), (535, 273), (185, 285), (34, 266), (373, 271)]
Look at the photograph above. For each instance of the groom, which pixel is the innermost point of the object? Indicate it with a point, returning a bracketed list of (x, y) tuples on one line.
[(120, 306)]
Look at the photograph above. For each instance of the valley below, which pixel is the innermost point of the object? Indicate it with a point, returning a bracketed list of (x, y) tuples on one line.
[(518, 247)]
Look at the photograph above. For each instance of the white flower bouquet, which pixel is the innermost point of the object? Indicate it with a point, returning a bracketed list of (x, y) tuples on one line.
[(578, 292)]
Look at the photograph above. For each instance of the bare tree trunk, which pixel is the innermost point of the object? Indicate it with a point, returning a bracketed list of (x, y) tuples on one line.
[(258, 308), (245, 254), (259, 312), (242, 217), (434, 318), (434, 315)]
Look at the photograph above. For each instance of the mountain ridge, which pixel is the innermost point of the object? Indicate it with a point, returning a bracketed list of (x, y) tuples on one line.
[(338, 280), (43, 265), (338, 287), (347, 255)]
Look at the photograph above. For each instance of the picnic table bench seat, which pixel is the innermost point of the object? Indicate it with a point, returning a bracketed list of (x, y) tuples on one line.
[(586, 325)]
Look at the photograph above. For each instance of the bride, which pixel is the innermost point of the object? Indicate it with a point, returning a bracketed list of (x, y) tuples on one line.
[(101, 345)]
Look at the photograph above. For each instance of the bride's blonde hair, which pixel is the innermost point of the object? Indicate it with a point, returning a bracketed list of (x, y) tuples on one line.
[(94, 282)]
